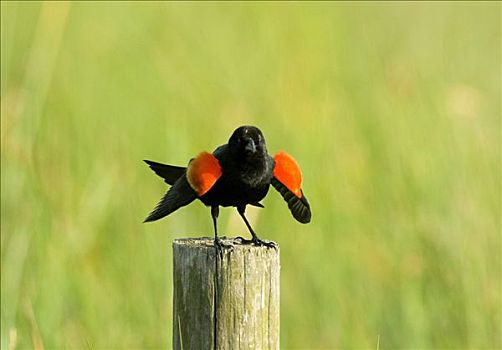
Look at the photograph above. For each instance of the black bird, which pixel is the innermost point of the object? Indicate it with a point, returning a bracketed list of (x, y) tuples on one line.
[(236, 174)]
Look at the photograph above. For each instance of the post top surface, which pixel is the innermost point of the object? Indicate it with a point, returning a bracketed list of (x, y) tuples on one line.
[(208, 242)]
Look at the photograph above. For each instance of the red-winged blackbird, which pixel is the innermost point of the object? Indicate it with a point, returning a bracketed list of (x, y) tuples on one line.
[(236, 174)]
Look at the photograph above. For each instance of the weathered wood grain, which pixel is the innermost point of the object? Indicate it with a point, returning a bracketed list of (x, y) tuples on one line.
[(225, 303)]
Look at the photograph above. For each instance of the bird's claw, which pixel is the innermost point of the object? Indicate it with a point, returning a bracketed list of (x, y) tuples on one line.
[(257, 242), (268, 244), (243, 240), (220, 246)]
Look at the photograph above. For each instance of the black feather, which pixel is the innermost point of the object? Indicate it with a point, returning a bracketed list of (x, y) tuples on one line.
[(170, 173), (259, 205), (178, 196), (299, 207)]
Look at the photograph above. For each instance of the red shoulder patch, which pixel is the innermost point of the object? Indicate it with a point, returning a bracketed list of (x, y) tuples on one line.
[(202, 172), (287, 171)]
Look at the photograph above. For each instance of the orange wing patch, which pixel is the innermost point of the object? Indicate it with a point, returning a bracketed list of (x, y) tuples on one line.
[(202, 172), (287, 171)]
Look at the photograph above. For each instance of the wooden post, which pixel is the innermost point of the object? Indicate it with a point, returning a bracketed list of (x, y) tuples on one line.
[(225, 303)]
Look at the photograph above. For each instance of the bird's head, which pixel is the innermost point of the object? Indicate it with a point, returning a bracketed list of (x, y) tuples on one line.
[(247, 142)]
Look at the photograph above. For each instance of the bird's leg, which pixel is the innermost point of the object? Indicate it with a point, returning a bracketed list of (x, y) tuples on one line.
[(218, 244), (255, 240)]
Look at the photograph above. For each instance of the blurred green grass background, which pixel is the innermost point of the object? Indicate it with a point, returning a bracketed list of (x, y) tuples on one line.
[(392, 110)]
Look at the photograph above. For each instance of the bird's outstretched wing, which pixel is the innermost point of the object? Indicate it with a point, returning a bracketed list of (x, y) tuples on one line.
[(198, 178), (178, 196), (202, 172), (288, 181), (170, 173)]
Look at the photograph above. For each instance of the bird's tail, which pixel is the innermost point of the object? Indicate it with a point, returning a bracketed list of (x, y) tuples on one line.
[(170, 173)]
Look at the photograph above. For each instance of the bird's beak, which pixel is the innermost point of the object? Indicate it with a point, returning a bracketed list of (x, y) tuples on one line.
[(250, 147)]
